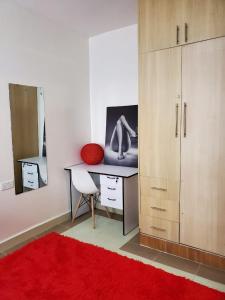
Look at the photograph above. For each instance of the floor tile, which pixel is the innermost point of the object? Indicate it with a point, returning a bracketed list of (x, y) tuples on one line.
[(11, 250), (135, 239), (211, 274), (210, 283), (107, 234), (113, 216), (136, 249), (177, 262)]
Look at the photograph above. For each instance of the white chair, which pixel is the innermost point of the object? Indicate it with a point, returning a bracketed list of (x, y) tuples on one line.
[(84, 184)]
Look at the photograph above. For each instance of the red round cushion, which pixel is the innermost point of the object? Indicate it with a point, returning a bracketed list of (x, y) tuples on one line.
[(92, 154)]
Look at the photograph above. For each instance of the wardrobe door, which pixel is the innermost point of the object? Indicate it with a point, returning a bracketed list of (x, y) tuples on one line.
[(159, 151), (203, 146), (159, 24), (204, 19)]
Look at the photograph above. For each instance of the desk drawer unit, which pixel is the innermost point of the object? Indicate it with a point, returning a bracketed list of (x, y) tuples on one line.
[(111, 191), (30, 176)]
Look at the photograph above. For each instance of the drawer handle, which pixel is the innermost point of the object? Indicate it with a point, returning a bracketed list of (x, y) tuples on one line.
[(158, 228), (159, 189), (158, 208), (109, 177), (112, 189), (30, 165), (110, 199), (178, 31), (30, 181), (30, 173), (186, 32), (185, 119)]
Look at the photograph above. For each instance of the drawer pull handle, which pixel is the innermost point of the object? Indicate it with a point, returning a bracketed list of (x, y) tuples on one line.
[(112, 189), (159, 189), (30, 173), (113, 178), (185, 119), (177, 36), (186, 32), (109, 177), (158, 228), (30, 181), (110, 199), (176, 125), (158, 208), (30, 165)]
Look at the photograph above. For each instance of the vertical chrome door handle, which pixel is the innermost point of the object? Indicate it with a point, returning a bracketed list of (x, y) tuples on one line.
[(185, 119), (178, 33), (186, 32), (176, 126)]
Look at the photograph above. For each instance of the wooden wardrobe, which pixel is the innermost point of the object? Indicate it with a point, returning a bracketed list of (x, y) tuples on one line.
[(182, 127)]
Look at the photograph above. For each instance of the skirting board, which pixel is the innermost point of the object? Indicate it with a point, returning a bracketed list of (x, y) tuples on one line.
[(183, 251), (30, 233)]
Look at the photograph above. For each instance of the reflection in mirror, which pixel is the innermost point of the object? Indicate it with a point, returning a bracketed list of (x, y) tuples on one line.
[(28, 137)]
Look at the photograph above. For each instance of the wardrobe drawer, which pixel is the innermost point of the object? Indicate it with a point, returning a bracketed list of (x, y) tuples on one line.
[(112, 199), (31, 182), (111, 181), (29, 169), (164, 209), (159, 188), (161, 228)]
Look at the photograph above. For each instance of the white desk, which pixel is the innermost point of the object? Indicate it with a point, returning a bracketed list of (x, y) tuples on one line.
[(126, 181)]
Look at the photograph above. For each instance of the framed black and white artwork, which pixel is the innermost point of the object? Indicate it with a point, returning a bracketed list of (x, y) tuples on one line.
[(121, 143)]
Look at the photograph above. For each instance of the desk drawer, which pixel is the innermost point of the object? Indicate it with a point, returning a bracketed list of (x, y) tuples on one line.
[(111, 189), (111, 181), (30, 182), (112, 198), (29, 169), (160, 228)]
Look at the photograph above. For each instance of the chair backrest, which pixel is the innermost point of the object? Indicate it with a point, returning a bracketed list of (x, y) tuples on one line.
[(83, 182)]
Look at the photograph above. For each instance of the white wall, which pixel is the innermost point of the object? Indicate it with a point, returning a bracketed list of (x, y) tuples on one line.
[(113, 75), (36, 52)]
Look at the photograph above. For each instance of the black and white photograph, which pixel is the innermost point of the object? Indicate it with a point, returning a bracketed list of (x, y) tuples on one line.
[(121, 141)]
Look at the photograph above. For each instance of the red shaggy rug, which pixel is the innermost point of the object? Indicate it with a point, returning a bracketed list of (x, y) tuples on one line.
[(56, 267)]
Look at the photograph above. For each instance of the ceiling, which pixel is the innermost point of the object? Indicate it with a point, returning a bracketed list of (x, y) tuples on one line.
[(89, 17)]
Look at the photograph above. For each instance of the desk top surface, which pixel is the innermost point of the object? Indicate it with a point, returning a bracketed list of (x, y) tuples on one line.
[(106, 170), (38, 160)]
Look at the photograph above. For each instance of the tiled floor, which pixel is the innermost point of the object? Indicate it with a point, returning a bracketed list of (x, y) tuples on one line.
[(191, 267), (108, 234)]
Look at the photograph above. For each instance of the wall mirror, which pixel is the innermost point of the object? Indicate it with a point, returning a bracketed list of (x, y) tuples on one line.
[(28, 137)]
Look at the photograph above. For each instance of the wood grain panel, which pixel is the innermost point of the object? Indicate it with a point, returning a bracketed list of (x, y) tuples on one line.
[(159, 227), (203, 149), (164, 209), (24, 125), (184, 251), (160, 87), (159, 127), (205, 19), (158, 21)]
